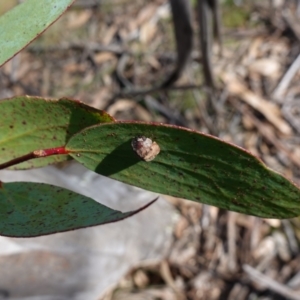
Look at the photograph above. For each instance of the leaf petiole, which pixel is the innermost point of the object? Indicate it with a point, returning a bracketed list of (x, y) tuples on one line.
[(35, 154)]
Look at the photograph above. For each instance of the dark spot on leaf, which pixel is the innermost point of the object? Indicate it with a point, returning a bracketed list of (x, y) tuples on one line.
[(10, 212), (235, 202), (11, 126), (112, 134), (24, 123), (3, 149)]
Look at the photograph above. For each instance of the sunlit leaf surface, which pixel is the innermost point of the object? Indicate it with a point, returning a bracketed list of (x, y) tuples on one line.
[(190, 165), (31, 123)]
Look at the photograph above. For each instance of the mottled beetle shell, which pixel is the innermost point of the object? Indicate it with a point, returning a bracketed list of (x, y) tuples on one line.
[(145, 148)]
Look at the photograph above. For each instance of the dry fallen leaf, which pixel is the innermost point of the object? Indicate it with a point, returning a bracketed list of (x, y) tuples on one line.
[(148, 31), (266, 67), (104, 57), (138, 111), (270, 110), (77, 20)]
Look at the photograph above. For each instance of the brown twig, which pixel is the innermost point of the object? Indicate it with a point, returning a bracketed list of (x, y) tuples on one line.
[(287, 78), (80, 46), (268, 135), (270, 283), (142, 92), (183, 28), (204, 15)]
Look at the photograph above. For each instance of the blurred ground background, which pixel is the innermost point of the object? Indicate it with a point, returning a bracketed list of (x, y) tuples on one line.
[(106, 53)]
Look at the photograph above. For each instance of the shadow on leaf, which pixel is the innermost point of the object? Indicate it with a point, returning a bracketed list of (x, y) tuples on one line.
[(118, 160)]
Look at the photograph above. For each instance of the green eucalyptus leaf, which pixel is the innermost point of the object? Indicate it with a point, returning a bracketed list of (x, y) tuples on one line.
[(25, 22), (31, 123), (190, 165), (32, 209)]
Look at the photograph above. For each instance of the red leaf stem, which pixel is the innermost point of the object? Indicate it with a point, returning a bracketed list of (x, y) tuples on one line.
[(34, 154)]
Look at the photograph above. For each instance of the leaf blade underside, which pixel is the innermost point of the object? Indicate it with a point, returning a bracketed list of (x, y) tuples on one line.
[(30, 209)]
